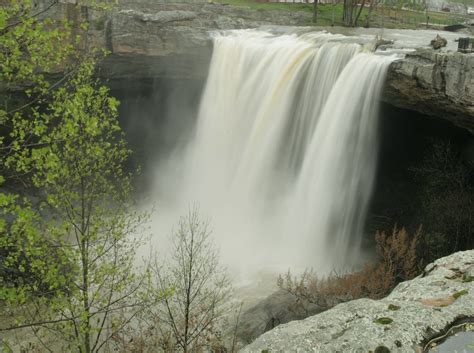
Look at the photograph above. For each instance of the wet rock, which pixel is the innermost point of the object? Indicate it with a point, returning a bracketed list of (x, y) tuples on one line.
[(365, 325)]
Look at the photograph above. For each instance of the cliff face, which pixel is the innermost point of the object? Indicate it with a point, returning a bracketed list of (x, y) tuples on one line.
[(165, 39), (415, 312), (174, 39), (150, 39), (436, 84)]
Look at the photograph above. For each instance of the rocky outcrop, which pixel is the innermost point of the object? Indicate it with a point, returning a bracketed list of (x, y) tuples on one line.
[(276, 309), (150, 39), (173, 40), (415, 312), (155, 39), (435, 83)]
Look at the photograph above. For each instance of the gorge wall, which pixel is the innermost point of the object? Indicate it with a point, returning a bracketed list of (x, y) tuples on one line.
[(435, 84), (150, 40)]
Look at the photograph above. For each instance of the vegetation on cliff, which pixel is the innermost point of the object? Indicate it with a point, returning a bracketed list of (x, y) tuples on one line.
[(69, 232)]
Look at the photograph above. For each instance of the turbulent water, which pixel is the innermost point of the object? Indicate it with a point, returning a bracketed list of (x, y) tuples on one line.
[(283, 156)]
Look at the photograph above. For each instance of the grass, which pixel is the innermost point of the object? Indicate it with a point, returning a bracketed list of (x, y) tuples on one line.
[(254, 5), (381, 17), (400, 18), (463, 2)]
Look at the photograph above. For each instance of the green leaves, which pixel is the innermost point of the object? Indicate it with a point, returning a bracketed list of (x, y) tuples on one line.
[(68, 235)]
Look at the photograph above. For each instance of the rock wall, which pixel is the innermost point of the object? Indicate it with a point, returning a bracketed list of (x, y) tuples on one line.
[(434, 83), (404, 321), (162, 38), (155, 39), (173, 40)]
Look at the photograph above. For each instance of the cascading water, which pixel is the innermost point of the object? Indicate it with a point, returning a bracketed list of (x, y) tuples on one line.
[(284, 152)]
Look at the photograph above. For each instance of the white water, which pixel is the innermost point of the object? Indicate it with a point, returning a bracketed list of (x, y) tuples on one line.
[(284, 153)]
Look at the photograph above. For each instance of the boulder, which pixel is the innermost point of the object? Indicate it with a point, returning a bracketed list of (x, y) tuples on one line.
[(439, 42), (278, 308), (414, 313)]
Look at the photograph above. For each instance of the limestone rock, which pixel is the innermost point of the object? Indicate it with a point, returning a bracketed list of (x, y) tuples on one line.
[(435, 83), (162, 17), (278, 308), (154, 39), (365, 325), (439, 42)]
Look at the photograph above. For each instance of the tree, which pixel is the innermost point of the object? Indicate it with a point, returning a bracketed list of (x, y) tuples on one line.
[(352, 10), (199, 287), (315, 11), (347, 12), (372, 5), (447, 196), (67, 229), (350, 15)]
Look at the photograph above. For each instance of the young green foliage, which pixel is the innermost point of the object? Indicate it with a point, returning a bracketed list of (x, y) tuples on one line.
[(68, 232)]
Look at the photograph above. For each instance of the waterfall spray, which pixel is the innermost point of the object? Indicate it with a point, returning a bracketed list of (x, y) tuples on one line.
[(285, 148)]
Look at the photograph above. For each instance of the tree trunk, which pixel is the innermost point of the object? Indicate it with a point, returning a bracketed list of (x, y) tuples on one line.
[(359, 12), (333, 11), (347, 13), (315, 11), (371, 9), (344, 12), (84, 243), (85, 322)]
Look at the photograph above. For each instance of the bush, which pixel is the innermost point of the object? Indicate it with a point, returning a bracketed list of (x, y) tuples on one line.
[(188, 295), (397, 261)]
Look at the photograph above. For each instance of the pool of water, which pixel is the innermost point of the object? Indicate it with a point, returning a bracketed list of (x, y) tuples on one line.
[(460, 341)]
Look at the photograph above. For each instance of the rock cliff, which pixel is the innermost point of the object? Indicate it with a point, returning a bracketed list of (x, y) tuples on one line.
[(415, 312), (155, 39), (149, 39), (434, 83)]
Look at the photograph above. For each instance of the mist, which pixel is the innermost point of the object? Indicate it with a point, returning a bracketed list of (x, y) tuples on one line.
[(261, 145)]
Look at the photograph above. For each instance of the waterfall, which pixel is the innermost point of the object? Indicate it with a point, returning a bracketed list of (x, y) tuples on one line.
[(284, 152)]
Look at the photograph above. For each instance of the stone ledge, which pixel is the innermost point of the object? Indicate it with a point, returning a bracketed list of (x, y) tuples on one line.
[(145, 37), (434, 83), (427, 305)]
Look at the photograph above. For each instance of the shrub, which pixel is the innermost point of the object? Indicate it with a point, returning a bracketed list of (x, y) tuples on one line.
[(397, 260), (189, 295)]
